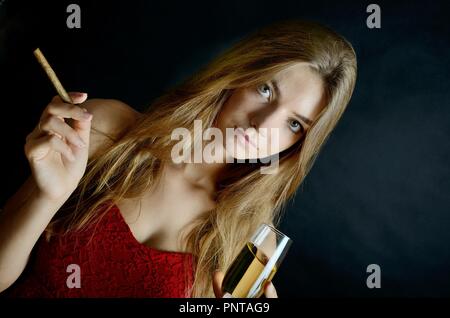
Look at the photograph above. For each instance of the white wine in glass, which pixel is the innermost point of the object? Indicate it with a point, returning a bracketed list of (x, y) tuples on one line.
[(257, 263)]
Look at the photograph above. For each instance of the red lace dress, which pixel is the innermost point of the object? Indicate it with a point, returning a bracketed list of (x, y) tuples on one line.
[(112, 264)]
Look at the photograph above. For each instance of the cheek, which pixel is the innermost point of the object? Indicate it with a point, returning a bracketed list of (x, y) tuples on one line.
[(283, 141), (289, 139), (232, 109), (224, 115)]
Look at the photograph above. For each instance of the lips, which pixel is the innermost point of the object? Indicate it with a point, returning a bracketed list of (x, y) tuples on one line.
[(241, 132)]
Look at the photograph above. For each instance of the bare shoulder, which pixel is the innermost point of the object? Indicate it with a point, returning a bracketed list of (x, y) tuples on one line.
[(111, 117)]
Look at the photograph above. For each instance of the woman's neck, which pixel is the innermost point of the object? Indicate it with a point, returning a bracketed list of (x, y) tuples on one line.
[(204, 174)]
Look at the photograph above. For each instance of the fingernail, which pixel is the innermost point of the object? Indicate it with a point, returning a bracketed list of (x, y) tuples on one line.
[(77, 94)]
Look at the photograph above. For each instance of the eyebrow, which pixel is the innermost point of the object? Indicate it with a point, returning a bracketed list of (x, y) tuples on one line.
[(278, 92)]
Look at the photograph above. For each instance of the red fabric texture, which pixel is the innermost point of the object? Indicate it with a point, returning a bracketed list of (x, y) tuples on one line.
[(112, 264)]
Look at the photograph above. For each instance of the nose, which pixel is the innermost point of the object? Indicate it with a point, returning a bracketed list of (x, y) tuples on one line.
[(253, 130), (262, 121), (270, 117)]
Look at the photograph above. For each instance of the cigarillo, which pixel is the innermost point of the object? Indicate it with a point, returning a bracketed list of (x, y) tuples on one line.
[(52, 76)]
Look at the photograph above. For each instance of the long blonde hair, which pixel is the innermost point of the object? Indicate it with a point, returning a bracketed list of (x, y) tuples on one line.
[(245, 197)]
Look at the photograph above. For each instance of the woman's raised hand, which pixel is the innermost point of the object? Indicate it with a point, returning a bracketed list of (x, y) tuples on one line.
[(58, 151)]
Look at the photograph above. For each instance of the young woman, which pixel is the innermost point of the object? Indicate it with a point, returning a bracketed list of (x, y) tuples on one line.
[(108, 213)]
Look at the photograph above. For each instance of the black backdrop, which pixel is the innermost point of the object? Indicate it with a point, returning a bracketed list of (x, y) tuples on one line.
[(379, 192)]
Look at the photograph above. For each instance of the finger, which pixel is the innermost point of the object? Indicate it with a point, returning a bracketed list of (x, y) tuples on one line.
[(83, 128), (217, 283), (39, 148), (77, 98), (57, 125), (270, 291), (34, 134), (37, 132), (65, 110)]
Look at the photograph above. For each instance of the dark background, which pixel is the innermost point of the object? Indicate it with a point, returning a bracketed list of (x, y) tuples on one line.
[(379, 192)]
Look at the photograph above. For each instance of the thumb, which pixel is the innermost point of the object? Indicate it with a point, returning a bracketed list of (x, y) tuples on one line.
[(78, 97), (217, 283), (82, 127)]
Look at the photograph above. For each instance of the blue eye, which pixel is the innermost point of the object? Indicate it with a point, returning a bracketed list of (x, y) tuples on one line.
[(266, 91), (298, 127)]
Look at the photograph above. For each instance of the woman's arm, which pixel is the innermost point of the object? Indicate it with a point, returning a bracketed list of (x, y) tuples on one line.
[(24, 218), (27, 213)]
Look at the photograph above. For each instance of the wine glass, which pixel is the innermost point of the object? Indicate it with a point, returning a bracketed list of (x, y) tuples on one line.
[(257, 263)]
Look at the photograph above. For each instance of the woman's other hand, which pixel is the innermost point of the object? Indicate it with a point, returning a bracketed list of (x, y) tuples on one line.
[(269, 289)]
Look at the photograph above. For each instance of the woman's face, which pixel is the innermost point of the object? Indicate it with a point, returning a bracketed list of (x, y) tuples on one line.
[(288, 103)]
